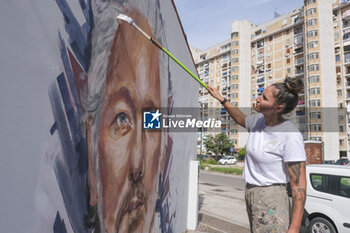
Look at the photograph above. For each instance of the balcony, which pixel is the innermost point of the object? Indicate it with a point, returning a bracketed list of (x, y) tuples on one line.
[(298, 51), (346, 35), (347, 59), (298, 31), (260, 80), (261, 71), (300, 113), (260, 44), (299, 72), (346, 15), (298, 40), (299, 61)]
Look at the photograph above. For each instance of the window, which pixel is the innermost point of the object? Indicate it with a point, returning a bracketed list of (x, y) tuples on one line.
[(312, 56), (308, 2), (234, 60), (315, 103), (337, 69), (314, 91), (347, 57), (344, 189), (234, 35), (337, 58), (288, 60), (310, 11), (312, 44), (311, 33), (314, 79), (311, 22), (341, 129), (316, 139), (336, 185), (234, 95), (315, 127), (235, 51), (235, 68), (313, 67), (235, 77), (315, 115), (336, 35), (321, 182), (235, 43), (339, 92), (234, 131), (234, 86)]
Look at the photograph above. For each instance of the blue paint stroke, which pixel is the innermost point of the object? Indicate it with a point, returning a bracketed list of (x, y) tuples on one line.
[(59, 226), (79, 36)]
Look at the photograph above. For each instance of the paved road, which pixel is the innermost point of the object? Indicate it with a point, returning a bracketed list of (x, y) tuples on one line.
[(221, 203)]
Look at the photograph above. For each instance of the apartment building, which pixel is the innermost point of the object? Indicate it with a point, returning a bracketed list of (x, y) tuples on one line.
[(311, 43)]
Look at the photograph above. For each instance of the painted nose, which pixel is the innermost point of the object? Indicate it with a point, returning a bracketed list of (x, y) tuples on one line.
[(136, 175), (137, 159)]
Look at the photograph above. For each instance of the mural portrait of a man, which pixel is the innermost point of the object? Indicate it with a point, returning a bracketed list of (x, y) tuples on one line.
[(124, 160)]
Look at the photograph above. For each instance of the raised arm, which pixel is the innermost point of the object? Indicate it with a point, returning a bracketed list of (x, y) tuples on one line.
[(234, 112), (297, 175)]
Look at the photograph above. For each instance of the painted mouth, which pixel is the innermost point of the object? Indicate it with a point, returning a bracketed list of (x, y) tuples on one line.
[(133, 207), (132, 215)]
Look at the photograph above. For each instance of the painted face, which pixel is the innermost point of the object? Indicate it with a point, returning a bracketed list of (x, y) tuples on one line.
[(266, 103), (129, 158)]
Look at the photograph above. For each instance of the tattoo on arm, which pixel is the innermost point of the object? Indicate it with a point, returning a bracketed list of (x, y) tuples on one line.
[(297, 176), (294, 167)]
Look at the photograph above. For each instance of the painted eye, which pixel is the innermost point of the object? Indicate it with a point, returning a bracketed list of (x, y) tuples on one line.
[(121, 119)]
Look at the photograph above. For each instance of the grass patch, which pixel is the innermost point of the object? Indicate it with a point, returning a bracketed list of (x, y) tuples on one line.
[(228, 170)]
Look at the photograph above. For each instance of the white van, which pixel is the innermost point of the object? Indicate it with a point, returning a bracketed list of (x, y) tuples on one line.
[(327, 207)]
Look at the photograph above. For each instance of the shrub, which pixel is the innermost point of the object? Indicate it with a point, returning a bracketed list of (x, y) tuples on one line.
[(211, 161)]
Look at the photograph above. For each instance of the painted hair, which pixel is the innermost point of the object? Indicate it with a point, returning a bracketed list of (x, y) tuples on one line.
[(286, 93)]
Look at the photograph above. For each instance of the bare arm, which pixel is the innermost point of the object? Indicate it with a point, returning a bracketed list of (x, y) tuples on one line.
[(234, 112), (297, 176)]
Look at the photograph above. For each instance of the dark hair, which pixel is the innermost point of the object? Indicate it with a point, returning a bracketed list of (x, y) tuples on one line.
[(287, 93)]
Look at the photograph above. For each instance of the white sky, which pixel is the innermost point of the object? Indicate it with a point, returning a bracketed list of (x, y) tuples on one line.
[(208, 22)]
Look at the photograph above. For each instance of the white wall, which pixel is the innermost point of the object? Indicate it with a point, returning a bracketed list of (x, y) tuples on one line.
[(30, 62)]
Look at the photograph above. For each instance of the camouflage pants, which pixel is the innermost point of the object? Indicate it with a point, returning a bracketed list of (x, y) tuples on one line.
[(268, 208)]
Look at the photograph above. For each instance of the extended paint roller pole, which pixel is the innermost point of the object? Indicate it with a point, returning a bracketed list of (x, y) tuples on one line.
[(156, 43)]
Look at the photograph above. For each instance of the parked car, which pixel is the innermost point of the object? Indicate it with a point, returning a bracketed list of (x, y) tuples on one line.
[(342, 161), (328, 199), (328, 162), (228, 160)]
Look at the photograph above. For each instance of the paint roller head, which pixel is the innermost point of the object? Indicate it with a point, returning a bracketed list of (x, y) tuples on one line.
[(125, 18)]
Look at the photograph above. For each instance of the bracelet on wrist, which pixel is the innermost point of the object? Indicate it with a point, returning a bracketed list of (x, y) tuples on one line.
[(223, 102)]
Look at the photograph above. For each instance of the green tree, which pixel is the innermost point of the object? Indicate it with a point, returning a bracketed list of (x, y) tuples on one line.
[(219, 145), (241, 153)]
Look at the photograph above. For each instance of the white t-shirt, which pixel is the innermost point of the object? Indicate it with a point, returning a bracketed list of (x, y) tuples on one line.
[(268, 149)]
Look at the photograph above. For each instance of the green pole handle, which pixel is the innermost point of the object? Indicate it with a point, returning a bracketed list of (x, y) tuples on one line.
[(185, 68)]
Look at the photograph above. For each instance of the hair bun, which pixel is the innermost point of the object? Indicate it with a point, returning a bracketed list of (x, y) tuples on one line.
[(293, 85)]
